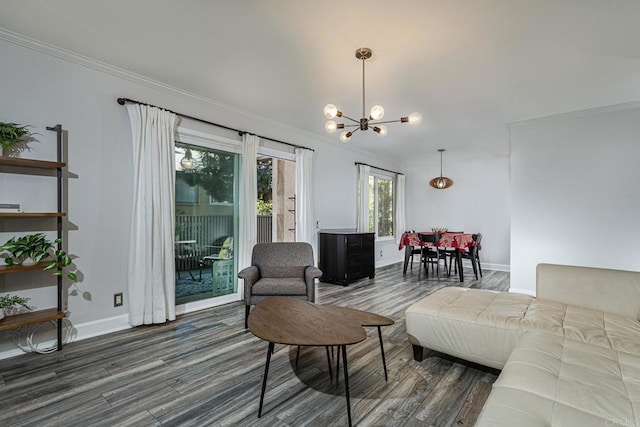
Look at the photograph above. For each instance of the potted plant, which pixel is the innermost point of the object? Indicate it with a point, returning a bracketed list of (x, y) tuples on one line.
[(10, 302), (14, 138), (34, 248)]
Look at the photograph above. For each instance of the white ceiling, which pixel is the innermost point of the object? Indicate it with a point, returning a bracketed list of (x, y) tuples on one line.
[(469, 66)]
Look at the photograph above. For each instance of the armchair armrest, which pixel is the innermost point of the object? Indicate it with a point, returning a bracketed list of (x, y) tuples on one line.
[(311, 273), (249, 274)]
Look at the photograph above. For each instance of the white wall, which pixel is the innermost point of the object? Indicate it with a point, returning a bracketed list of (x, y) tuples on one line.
[(574, 192), (44, 87), (478, 201)]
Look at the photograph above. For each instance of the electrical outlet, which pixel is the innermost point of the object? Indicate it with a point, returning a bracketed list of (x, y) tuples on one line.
[(117, 299), (380, 253)]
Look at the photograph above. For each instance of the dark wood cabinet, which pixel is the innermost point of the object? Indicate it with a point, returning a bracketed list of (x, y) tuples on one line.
[(346, 256)]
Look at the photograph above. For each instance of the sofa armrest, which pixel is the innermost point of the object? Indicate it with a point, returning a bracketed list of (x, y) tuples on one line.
[(612, 291)]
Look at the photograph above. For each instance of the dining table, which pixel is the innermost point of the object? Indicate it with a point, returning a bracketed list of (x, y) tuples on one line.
[(460, 242)]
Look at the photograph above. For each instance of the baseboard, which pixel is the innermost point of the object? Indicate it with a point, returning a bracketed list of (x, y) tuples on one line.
[(523, 291), (101, 327), (82, 331), (496, 267)]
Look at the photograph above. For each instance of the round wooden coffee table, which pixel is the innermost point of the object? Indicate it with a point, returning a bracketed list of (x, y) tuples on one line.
[(292, 321)]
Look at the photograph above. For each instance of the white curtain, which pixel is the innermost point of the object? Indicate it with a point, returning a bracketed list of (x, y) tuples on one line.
[(248, 208), (305, 229), (362, 197), (400, 207), (151, 248)]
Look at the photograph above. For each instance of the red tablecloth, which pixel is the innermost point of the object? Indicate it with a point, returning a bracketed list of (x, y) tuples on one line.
[(447, 240)]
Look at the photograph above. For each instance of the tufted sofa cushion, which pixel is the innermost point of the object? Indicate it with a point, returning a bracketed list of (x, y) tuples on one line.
[(555, 381), (477, 325), (484, 326)]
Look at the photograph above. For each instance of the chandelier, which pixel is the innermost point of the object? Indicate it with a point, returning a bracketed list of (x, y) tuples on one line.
[(441, 182), (373, 121)]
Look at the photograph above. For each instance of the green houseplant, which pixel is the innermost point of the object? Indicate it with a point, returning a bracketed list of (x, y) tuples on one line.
[(34, 248), (13, 138), (9, 302)]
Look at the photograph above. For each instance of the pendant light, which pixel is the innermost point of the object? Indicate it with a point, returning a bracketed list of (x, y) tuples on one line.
[(441, 182), (188, 162)]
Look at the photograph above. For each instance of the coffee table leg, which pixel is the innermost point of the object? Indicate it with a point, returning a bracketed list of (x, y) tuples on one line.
[(384, 362), (264, 379), (329, 363), (297, 356), (346, 381)]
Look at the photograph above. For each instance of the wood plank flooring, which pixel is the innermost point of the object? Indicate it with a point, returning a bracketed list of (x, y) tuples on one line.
[(205, 369)]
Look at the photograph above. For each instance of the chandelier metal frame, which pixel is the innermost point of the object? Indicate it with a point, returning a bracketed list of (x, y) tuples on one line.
[(373, 120)]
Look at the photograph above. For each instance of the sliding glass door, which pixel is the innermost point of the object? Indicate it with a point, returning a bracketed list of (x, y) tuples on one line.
[(206, 223)]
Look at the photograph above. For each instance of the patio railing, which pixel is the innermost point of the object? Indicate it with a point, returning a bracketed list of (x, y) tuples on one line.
[(208, 230)]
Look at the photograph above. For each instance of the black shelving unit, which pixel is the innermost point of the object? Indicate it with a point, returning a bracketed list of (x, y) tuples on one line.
[(19, 165)]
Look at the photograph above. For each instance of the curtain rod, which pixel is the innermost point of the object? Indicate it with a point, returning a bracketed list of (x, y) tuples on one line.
[(123, 101), (381, 169)]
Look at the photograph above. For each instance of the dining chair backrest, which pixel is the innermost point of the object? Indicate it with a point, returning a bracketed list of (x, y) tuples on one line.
[(429, 238)]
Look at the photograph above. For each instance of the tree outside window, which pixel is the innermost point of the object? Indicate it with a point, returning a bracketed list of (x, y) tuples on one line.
[(381, 212)]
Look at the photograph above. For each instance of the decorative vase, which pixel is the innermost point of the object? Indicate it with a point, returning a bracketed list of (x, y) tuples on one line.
[(28, 261)]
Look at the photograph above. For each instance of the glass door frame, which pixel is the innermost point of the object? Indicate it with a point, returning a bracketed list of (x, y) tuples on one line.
[(205, 140)]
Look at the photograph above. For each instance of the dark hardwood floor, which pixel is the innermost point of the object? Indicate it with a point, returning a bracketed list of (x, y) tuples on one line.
[(206, 369)]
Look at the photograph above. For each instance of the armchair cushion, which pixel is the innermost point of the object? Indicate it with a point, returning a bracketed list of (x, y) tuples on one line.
[(279, 286), (276, 271)]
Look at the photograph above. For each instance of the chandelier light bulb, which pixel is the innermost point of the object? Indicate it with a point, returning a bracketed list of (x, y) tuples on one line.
[(345, 136), (415, 119), (441, 183), (381, 130), (377, 112), (366, 122), (330, 111)]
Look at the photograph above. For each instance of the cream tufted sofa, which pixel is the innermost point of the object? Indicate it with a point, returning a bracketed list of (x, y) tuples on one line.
[(570, 357)]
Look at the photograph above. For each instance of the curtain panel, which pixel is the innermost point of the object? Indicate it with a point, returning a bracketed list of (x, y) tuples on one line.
[(249, 199), (362, 198), (151, 275), (400, 222)]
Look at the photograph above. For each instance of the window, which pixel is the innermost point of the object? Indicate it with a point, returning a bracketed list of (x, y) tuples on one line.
[(381, 212)]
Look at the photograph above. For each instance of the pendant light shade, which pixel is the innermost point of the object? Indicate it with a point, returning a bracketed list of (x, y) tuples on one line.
[(441, 182)]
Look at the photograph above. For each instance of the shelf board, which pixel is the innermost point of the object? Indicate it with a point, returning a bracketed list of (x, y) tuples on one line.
[(30, 163), (31, 214), (24, 319), (5, 269)]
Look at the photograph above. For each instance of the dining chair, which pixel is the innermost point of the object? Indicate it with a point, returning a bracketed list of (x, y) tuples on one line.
[(471, 254), (413, 250), (449, 253), (430, 253)]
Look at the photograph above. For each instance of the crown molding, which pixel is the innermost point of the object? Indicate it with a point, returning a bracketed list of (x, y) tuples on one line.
[(94, 64), (579, 113)]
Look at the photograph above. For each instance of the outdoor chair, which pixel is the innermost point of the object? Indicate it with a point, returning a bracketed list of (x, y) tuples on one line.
[(220, 252)]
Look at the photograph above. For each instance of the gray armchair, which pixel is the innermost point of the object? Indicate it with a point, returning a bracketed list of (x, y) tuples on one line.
[(282, 269)]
